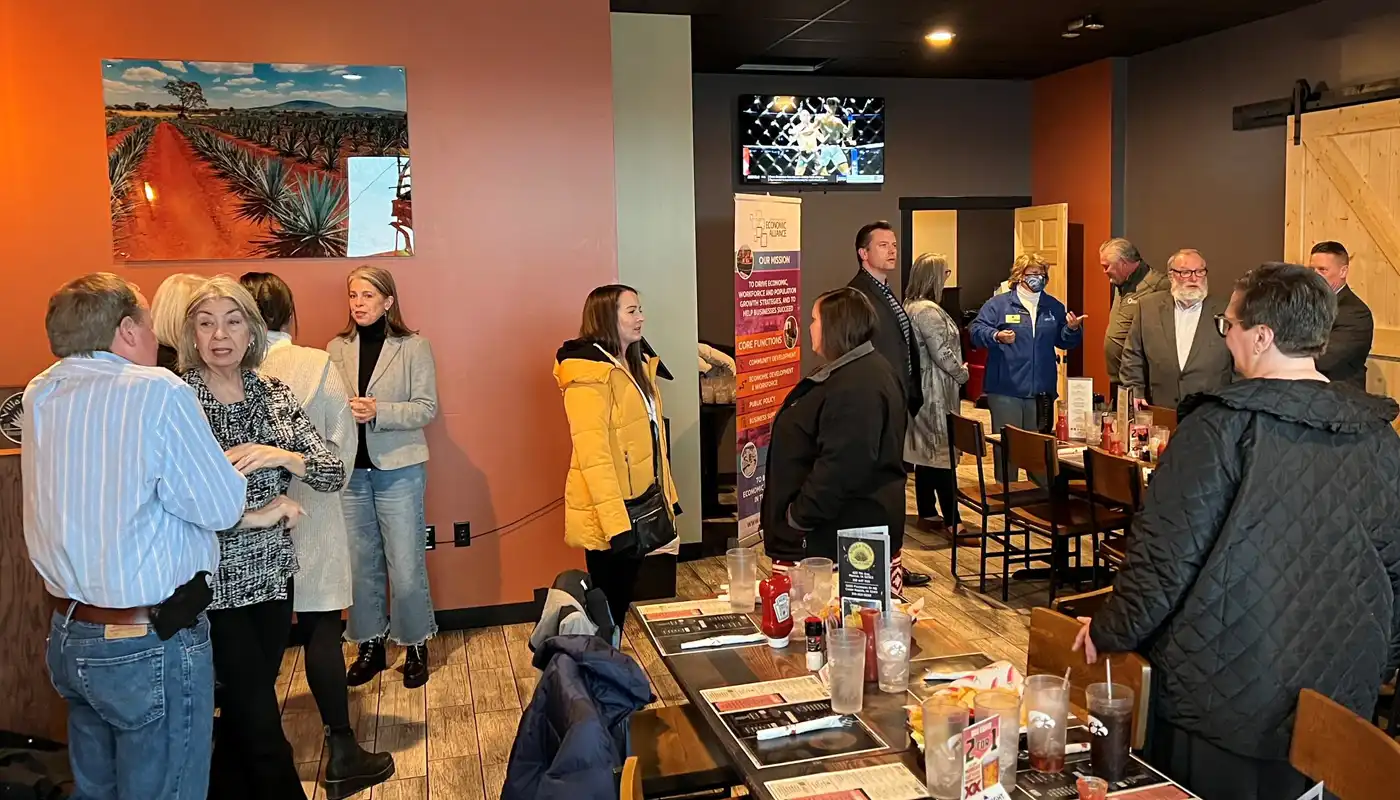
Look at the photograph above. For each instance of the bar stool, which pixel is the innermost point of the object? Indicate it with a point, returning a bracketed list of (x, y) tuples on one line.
[(966, 437)]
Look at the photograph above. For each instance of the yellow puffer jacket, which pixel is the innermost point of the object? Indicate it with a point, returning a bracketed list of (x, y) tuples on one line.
[(612, 460)]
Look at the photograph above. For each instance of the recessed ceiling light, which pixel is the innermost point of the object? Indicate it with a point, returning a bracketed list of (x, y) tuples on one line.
[(1070, 35), (1091, 23), (940, 37)]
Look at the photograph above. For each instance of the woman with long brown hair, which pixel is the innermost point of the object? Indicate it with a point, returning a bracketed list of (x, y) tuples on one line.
[(614, 410), (389, 370)]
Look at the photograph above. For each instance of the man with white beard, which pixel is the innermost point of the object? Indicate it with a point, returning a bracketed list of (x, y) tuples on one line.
[(1173, 349)]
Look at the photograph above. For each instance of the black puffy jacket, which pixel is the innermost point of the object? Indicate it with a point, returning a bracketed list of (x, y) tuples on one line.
[(1266, 560), (836, 458), (574, 732)]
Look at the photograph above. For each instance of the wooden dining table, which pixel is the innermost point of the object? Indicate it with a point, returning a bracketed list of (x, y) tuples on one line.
[(884, 713)]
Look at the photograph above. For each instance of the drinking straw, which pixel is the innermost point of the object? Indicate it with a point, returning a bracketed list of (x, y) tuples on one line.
[(1067, 669), (1108, 666)]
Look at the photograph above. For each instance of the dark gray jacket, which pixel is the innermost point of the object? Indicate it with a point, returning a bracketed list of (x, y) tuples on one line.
[(1150, 363), (1266, 560)]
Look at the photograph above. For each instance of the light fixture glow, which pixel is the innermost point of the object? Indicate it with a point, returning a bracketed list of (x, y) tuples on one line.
[(1070, 35), (940, 37), (150, 193), (351, 77)]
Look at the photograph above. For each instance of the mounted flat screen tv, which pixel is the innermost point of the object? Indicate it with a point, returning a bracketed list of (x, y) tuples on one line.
[(812, 140)]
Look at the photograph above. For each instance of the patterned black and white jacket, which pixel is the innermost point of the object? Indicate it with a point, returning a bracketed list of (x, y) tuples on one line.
[(256, 563)]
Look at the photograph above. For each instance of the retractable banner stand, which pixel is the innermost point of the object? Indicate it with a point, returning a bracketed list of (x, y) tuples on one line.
[(767, 333)]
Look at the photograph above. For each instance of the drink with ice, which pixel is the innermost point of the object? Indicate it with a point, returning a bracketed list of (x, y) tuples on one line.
[(892, 633), (846, 649)]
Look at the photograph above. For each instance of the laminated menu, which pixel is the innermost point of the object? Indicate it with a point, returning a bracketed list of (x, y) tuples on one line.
[(746, 711), (697, 622), (863, 569), (885, 782), (1140, 782)]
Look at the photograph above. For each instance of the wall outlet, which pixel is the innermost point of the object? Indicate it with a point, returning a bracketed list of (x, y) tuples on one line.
[(431, 542), (462, 534)]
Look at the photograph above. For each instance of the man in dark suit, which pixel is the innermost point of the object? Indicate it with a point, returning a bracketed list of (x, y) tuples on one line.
[(877, 253), (1349, 345), (1173, 349)]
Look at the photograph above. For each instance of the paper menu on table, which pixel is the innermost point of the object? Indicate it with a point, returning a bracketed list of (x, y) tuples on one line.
[(885, 782), (1079, 404), (684, 609), (750, 696)]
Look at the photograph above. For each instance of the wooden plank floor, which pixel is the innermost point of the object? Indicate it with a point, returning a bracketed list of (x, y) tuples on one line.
[(451, 739)]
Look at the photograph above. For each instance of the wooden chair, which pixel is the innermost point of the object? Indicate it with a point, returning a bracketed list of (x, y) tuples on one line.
[(1062, 518), (1166, 417), (631, 788), (1356, 760), (1115, 493), (966, 436), (1050, 653), (1085, 604)]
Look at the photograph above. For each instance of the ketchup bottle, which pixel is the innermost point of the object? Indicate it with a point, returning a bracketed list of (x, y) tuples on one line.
[(776, 594), (867, 624)]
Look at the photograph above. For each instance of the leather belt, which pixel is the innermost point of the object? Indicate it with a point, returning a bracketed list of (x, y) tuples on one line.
[(83, 612)]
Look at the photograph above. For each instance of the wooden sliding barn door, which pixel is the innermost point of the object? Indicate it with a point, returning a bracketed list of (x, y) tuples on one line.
[(1344, 185)]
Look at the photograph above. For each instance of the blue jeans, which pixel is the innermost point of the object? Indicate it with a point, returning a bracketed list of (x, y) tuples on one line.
[(140, 711), (385, 518)]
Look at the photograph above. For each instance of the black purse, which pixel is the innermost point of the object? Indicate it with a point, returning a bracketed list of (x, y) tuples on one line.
[(650, 513)]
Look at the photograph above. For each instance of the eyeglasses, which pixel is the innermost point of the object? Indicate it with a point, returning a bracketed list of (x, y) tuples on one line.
[(1223, 324), (1188, 273)]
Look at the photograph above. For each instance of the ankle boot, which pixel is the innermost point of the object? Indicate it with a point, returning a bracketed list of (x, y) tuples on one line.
[(350, 769), (369, 663), (415, 666)]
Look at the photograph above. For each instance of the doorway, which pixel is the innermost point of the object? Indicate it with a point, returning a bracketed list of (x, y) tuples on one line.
[(974, 233)]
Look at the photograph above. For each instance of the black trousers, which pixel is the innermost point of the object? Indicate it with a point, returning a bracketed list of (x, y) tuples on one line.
[(325, 666), (617, 576), (1216, 774), (936, 484), (252, 757)]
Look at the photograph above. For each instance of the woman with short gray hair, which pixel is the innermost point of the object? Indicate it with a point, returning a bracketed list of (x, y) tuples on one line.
[(940, 350), (267, 437), (1266, 558)]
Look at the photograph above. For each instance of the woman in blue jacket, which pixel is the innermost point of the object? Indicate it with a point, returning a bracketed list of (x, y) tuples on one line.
[(1020, 330)]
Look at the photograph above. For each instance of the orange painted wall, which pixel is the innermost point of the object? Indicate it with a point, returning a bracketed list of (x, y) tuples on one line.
[(1072, 162), (510, 120)]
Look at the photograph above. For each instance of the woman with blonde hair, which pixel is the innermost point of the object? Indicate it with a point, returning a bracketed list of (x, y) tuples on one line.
[(614, 410), (940, 350), (1021, 330), (168, 315), (267, 437), (388, 369)]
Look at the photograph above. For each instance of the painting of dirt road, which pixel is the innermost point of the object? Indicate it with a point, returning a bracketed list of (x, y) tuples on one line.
[(237, 160)]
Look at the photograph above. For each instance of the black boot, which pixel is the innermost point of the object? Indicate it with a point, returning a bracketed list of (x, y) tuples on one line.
[(350, 769), (369, 663), (415, 666)]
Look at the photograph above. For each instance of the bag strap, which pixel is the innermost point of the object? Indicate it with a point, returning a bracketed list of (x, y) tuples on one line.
[(651, 415)]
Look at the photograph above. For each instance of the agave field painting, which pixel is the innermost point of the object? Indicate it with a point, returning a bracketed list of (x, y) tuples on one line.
[(234, 160)]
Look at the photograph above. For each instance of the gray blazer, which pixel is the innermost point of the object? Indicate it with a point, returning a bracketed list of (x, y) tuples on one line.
[(1149, 355), (404, 386)]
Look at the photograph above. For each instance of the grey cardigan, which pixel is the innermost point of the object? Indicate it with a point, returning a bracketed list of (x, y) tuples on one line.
[(404, 384)]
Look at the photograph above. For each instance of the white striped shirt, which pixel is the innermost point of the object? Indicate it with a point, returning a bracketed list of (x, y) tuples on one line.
[(124, 485)]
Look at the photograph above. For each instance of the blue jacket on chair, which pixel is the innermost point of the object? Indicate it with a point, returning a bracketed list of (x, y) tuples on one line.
[(1027, 366), (574, 732)]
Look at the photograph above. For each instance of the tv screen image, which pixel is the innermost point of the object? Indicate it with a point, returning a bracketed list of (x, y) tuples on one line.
[(797, 139)]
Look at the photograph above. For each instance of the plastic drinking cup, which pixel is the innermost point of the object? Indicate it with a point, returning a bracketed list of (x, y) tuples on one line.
[(845, 649), (1047, 710), (1007, 706), (743, 569), (1091, 788), (1110, 729), (820, 572), (944, 723), (892, 633)]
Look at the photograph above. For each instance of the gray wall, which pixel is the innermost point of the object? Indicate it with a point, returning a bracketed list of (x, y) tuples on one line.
[(943, 138), (1191, 181)]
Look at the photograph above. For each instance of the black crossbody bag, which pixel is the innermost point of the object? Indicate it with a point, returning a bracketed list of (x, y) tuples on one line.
[(650, 513)]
